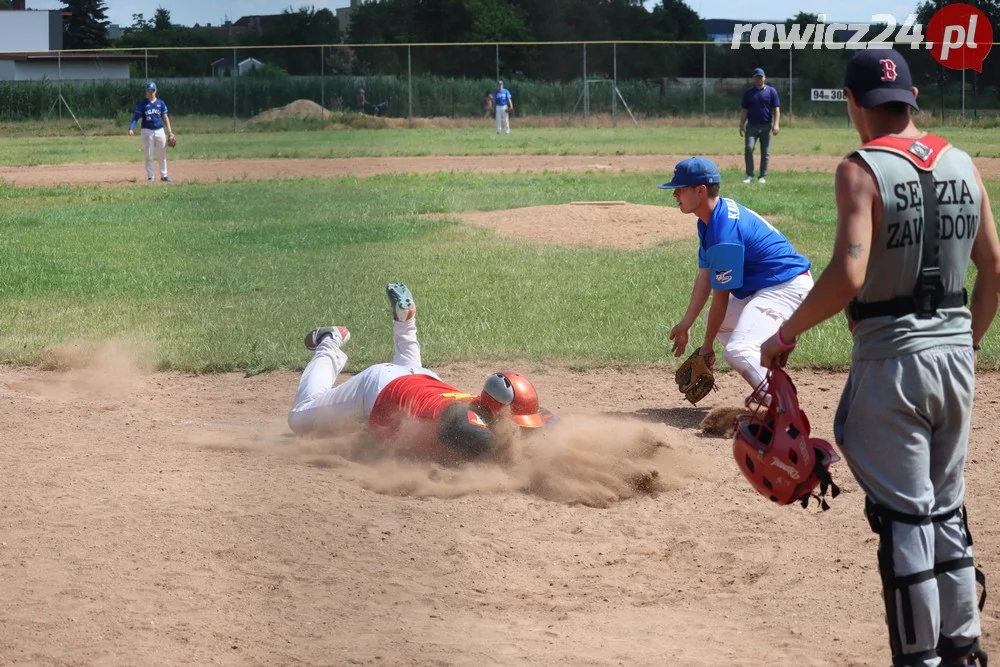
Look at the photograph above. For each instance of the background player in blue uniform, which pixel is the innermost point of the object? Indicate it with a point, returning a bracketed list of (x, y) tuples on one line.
[(754, 275), (153, 114), (504, 104), (760, 117)]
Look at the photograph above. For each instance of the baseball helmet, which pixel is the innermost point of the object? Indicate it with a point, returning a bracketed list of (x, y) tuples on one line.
[(773, 449), (513, 390)]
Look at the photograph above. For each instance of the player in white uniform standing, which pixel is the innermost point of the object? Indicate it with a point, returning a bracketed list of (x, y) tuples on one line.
[(153, 114), (504, 104)]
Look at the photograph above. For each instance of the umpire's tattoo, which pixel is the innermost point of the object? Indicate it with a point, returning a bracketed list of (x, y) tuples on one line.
[(854, 250)]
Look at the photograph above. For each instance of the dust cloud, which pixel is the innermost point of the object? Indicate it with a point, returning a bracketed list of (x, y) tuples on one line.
[(588, 460), (89, 370)]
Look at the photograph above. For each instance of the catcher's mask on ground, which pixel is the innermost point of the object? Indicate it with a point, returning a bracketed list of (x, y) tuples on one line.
[(510, 389), (773, 449)]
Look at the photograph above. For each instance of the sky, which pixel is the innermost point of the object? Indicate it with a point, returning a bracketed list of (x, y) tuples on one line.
[(189, 12)]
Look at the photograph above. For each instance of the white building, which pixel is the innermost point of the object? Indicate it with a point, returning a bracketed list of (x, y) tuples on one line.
[(31, 43), (224, 66)]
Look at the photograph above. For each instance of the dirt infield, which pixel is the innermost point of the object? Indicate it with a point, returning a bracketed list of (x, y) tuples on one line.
[(160, 519), (165, 519), (227, 170)]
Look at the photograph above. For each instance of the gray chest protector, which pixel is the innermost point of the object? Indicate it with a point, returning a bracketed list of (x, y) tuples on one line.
[(929, 290)]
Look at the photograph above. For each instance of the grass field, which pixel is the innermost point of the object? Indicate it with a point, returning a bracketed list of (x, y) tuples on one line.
[(214, 139), (231, 275)]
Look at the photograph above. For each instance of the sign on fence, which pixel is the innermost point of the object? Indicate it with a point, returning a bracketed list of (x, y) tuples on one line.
[(828, 95)]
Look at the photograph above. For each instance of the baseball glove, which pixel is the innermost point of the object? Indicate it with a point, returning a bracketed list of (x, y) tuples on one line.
[(171, 141), (695, 378)]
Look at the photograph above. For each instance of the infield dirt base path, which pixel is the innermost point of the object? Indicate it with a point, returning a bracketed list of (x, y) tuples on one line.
[(224, 170), (170, 519)]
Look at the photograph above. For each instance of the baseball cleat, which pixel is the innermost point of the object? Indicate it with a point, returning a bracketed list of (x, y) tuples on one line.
[(761, 180), (401, 300), (167, 179), (748, 179), (340, 335)]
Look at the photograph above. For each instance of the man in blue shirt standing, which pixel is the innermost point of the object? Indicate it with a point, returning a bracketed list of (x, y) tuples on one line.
[(761, 116), (504, 104), (755, 277), (153, 114)]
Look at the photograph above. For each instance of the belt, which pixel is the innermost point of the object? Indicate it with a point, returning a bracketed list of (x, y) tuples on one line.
[(900, 306)]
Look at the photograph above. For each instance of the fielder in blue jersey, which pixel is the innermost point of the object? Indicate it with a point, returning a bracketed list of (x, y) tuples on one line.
[(153, 114), (504, 104), (755, 277)]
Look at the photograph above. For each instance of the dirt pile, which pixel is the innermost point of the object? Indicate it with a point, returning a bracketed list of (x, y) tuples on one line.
[(296, 109)]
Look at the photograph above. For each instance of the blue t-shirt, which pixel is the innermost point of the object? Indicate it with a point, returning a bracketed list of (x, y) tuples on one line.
[(151, 114), (744, 253), (502, 97), (758, 102)]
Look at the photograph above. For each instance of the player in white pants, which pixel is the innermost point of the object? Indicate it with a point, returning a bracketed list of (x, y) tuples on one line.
[(155, 140), (153, 114), (408, 407), (755, 277), (318, 405), (504, 104)]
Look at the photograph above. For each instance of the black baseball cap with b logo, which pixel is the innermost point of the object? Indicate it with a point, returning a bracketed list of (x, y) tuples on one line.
[(878, 76)]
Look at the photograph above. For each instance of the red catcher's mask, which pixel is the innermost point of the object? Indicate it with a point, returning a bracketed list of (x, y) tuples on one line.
[(773, 449)]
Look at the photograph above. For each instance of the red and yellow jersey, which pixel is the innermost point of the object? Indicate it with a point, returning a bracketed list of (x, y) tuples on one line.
[(408, 408)]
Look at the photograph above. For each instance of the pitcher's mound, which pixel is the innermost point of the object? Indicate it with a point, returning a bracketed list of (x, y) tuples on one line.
[(608, 224)]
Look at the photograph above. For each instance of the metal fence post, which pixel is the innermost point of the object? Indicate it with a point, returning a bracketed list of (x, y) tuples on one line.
[(791, 84), (61, 98), (586, 88), (963, 87), (409, 79), (704, 79), (498, 63), (232, 73), (145, 57), (322, 79), (614, 87)]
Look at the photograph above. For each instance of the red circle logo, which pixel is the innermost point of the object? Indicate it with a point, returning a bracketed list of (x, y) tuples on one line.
[(959, 36)]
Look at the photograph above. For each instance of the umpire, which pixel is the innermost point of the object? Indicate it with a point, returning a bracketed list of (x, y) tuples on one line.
[(760, 118)]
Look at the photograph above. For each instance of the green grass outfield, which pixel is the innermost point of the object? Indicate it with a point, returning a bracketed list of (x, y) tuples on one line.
[(198, 142), (231, 275)]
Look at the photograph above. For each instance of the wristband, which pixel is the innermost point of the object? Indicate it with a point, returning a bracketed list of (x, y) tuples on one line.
[(781, 341)]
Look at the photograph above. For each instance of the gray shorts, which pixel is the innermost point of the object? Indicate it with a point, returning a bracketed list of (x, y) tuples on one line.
[(903, 427)]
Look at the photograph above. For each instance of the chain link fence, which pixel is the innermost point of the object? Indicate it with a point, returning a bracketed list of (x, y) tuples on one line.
[(596, 82)]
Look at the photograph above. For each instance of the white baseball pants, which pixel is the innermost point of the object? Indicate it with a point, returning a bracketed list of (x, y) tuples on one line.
[(751, 321), (503, 119), (319, 406), (155, 139)]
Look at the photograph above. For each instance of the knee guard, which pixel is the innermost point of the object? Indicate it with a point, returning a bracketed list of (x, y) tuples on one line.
[(881, 519)]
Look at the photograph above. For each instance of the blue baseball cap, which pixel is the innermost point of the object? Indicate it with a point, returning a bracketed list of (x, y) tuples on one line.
[(694, 171), (878, 76), (151, 86), (500, 83), (758, 72)]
